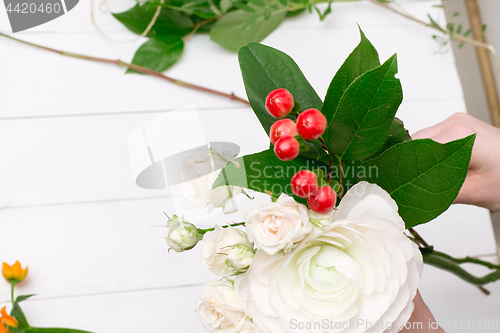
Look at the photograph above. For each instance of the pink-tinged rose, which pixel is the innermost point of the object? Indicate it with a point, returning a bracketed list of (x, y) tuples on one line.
[(278, 225)]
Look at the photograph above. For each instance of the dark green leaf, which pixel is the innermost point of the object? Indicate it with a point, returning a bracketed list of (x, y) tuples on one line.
[(230, 33), (361, 60), (205, 13), (18, 313), (365, 113), (295, 12), (423, 176), (265, 69), (397, 134), (267, 13), (244, 7), (22, 298), (158, 53), (54, 330), (16, 330), (264, 172), (169, 22), (284, 2)]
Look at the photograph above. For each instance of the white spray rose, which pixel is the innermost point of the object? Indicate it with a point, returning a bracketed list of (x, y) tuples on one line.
[(182, 235), (361, 270), (219, 309), (278, 225), (199, 172), (223, 245)]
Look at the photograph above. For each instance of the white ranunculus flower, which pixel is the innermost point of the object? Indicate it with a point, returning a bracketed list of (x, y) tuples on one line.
[(360, 275), (199, 172), (218, 244), (278, 225), (219, 309)]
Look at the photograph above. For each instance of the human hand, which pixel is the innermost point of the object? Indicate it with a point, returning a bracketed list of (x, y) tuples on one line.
[(421, 320), (482, 185)]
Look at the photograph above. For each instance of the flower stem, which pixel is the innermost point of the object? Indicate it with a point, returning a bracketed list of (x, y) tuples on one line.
[(450, 265), (137, 68), (204, 231), (418, 237), (13, 284)]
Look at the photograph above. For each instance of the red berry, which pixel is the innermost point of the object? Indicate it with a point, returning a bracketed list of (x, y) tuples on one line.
[(324, 201), (287, 148), (304, 183), (311, 124), (279, 103), (282, 128)]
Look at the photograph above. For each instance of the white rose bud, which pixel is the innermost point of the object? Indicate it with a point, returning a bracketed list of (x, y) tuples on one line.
[(182, 235), (218, 244), (239, 258)]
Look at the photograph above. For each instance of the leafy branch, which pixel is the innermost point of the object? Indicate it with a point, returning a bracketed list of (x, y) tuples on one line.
[(454, 34), (137, 68)]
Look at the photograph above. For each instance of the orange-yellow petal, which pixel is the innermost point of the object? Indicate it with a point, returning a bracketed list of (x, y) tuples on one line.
[(7, 271), (8, 320), (3, 329), (14, 273)]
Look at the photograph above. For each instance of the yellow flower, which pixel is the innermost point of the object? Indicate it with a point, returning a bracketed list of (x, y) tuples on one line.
[(7, 320), (14, 273)]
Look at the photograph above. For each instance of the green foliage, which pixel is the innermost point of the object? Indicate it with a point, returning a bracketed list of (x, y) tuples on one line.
[(158, 53), (361, 123), (362, 59), (263, 172), (169, 22), (364, 141), (24, 327), (423, 176), (248, 24), (265, 69)]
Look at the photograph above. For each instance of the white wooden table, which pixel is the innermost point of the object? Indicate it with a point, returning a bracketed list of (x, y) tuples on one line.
[(71, 211)]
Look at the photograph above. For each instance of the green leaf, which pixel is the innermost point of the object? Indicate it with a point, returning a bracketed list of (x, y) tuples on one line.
[(264, 172), (16, 330), (230, 31), (225, 5), (169, 22), (365, 113), (397, 134), (54, 330), (265, 69), (22, 298), (423, 176), (18, 313), (158, 53), (361, 60), (244, 7), (257, 2)]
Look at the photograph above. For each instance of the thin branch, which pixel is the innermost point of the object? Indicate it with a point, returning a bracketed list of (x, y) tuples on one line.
[(453, 36), (137, 68)]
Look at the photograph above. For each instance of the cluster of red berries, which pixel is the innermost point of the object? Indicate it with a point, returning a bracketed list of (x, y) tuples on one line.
[(320, 199), (310, 125)]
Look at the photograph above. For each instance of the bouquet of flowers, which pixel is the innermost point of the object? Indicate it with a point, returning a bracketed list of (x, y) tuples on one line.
[(333, 250)]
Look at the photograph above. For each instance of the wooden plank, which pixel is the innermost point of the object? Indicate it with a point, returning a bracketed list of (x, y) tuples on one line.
[(96, 248)]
